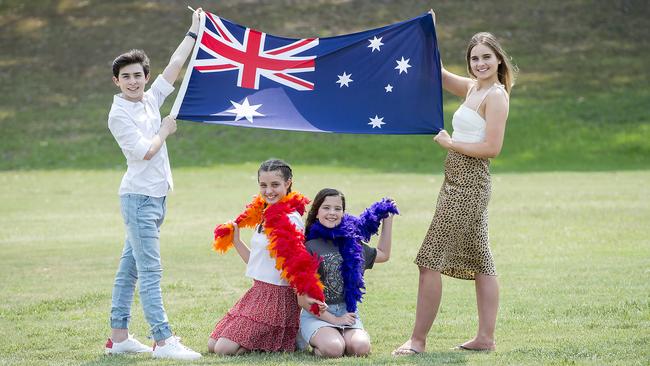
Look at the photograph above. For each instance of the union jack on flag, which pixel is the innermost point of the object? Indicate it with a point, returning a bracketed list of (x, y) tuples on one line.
[(251, 59), (381, 81)]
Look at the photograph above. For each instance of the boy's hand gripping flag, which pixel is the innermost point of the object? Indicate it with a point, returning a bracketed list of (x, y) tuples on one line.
[(381, 81)]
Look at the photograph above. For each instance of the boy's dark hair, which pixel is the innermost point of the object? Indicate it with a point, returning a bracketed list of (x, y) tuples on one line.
[(131, 57)]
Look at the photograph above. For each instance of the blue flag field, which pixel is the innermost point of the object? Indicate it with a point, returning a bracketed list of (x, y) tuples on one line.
[(381, 81)]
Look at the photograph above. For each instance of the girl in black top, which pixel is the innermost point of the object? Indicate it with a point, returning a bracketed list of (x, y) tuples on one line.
[(338, 239)]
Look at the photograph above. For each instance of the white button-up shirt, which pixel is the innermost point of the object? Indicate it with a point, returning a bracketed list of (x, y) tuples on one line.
[(134, 124)]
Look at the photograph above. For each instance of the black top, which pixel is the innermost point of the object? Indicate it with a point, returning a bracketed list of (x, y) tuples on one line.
[(330, 267)]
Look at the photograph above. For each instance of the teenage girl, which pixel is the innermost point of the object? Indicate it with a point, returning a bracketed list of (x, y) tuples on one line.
[(266, 317), (457, 243), (338, 240)]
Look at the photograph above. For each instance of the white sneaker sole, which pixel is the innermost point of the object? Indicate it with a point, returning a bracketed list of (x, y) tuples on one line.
[(110, 352), (186, 358)]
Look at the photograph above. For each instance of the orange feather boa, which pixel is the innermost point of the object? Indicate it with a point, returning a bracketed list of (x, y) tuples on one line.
[(286, 243)]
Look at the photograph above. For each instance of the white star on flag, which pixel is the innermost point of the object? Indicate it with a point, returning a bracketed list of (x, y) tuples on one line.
[(403, 65), (375, 43), (344, 79), (376, 122), (389, 88), (245, 110)]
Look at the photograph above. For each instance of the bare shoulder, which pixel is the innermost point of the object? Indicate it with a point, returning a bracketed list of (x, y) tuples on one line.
[(498, 97)]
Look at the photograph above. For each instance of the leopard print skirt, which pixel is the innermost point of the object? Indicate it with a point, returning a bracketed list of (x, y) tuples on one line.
[(457, 243)]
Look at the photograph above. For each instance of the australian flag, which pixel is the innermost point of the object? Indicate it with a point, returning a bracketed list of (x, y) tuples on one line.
[(381, 81)]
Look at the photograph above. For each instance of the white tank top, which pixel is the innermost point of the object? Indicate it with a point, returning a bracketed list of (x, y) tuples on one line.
[(260, 264), (468, 124)]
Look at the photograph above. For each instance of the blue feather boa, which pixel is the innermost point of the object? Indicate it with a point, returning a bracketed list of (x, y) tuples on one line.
[(347, 236)]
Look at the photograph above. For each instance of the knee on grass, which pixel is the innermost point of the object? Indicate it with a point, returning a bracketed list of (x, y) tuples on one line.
[(358, 348), (223, 347), (211, 343), (332, 348)]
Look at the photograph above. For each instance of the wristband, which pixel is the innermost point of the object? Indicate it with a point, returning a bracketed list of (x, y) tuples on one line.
[(191, 34)]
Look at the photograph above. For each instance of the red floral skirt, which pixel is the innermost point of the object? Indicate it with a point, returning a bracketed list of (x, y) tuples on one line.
[(266, 318)]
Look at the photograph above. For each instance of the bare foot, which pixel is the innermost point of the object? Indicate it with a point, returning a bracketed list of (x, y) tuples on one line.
[(476, 345), (408, 348)]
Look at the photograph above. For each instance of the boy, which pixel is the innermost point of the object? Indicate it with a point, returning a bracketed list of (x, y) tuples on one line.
[(134, 121)]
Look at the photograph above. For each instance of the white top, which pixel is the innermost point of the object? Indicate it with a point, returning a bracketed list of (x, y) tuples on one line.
[(468, 124), (134, 124), (260, 264)]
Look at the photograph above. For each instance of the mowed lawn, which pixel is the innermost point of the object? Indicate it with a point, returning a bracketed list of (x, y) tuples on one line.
[(572, 251)]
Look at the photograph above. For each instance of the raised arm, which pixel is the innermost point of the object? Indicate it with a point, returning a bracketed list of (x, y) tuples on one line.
[(455, 84), (182, 51), (385, 240), (371, 218)]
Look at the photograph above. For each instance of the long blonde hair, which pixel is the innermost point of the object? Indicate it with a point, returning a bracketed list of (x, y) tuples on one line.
[(506, 72)]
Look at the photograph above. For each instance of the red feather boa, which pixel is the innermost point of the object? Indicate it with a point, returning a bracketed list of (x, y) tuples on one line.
[(286, 243)]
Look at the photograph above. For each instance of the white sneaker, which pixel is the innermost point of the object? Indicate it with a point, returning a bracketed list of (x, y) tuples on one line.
[(130, 345), (173, 348)]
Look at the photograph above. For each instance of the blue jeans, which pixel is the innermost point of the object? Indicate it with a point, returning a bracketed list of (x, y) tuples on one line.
[(310, 324), (140, 259)]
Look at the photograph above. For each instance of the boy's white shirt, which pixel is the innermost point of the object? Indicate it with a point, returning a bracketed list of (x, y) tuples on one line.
[(134, 124)]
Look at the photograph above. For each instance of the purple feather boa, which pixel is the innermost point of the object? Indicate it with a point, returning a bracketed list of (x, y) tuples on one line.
[(348, 236), (370, 219)]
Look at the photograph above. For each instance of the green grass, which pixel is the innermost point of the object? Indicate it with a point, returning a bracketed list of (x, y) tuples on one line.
[(572, 251), (580, 103)]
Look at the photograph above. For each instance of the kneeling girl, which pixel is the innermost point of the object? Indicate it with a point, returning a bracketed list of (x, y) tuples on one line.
[(338, 239), (266, 317)]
